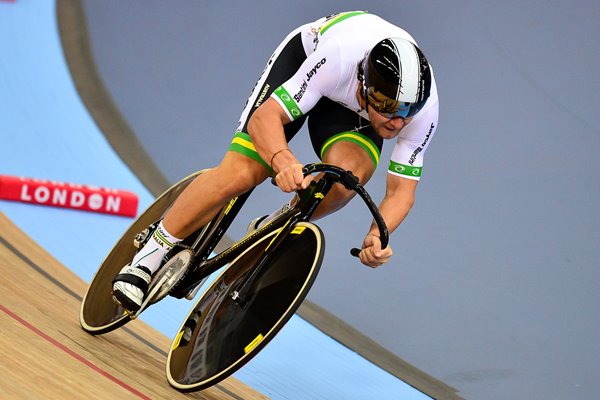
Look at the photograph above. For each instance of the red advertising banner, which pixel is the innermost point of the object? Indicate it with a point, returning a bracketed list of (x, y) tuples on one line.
[(68, 195)]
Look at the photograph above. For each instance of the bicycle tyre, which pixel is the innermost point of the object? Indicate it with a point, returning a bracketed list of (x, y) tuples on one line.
[(218, 337), (99, 313)]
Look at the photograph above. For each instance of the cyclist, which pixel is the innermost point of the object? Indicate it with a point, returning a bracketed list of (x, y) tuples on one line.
[(356, 79)]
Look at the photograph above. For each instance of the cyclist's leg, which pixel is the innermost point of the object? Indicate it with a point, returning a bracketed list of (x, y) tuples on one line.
[(351, 157), (210, 191), (192, 209), (340, 137)]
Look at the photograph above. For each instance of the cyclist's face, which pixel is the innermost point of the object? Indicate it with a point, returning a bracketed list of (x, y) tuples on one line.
[(387, 128)]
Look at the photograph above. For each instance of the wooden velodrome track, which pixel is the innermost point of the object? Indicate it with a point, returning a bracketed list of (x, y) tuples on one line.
[(46, 355)]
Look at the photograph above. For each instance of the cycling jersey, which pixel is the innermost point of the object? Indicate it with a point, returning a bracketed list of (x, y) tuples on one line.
[(334, 47), (314, 72)]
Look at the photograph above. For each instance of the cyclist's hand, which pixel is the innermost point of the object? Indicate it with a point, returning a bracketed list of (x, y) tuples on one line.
[(372, 255), (291, 178)]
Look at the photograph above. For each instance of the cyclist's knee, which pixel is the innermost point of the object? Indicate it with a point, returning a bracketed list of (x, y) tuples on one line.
[(336, 199), (340, 196), (351, 157), (238, 174)]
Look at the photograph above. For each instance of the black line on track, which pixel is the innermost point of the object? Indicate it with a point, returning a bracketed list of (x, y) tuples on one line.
[(38, 269), (71, 293)]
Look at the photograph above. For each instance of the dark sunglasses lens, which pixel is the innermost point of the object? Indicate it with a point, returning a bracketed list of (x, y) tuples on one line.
[(386, 106)]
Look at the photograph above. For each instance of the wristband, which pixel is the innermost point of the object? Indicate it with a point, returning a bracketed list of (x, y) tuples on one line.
[(277, 152)]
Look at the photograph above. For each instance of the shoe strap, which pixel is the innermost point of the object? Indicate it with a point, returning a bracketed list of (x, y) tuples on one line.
[(136, 276)]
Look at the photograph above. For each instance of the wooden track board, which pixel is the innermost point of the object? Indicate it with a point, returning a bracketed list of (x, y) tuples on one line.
[(44, 352)]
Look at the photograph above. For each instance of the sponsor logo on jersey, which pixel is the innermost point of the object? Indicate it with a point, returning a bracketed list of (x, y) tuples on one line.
[(315, 68), (406, 170), (309, 75), (289, 103), (399, 168), (298, 96), (419, 149), (262, 95)]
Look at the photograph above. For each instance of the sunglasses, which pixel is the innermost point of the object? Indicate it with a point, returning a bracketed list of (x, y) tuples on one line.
[(389, 108)]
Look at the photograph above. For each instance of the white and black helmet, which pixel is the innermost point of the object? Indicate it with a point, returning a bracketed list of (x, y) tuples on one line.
[(396, 78)]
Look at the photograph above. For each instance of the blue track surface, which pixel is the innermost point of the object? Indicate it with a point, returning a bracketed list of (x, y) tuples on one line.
[(47, 133)]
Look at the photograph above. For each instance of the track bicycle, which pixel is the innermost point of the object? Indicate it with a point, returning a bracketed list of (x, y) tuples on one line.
[(267, 275)]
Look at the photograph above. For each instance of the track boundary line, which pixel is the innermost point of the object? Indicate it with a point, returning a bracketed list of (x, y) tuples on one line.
[(70, 292), (73, 354)]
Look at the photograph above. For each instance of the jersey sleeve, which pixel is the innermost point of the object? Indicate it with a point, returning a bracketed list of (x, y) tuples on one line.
[(317, 77), (407, 156)]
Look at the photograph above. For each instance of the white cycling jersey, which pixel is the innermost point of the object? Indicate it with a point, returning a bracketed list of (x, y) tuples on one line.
[(334, 46)]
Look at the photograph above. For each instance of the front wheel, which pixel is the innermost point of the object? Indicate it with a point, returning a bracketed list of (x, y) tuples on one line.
[(220, 335), (99, 313)]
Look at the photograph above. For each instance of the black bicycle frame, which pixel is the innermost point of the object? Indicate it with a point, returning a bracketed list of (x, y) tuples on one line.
[(308, 201), (306, 206)]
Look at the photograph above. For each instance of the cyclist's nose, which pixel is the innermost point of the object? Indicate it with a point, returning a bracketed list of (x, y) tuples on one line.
[(398, 122)]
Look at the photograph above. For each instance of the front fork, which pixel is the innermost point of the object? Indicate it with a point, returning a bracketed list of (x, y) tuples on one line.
[(308, 201)]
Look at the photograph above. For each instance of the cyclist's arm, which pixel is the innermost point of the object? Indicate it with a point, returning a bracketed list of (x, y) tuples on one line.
[(292, 99), (266, 131), (395, 206), (399, 199)]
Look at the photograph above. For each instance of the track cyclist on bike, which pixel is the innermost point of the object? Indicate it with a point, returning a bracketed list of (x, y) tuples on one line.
[(356, 79)]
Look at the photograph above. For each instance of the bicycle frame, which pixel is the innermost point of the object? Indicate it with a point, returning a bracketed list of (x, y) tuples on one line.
[(308, 201), (204, 266)]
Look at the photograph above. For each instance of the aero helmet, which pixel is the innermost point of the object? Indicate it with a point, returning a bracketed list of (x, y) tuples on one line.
[(396, 78)]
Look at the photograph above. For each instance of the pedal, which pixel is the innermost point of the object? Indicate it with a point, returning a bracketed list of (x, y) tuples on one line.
[(165, 278), (142, 237)]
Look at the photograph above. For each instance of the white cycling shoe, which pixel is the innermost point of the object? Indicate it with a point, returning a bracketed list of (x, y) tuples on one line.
[(130, 286)]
